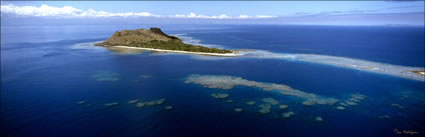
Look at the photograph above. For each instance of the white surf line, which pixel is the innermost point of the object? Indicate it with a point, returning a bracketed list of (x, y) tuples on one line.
[(345, 62), (357, 64), (87, 45), (184, 52)]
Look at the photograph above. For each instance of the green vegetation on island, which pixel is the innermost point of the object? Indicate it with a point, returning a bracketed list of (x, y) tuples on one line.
[(156, 39)]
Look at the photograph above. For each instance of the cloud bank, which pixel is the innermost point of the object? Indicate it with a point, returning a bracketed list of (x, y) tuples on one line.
[(15, 14), (65, 11), (222, 16), (69, 11)]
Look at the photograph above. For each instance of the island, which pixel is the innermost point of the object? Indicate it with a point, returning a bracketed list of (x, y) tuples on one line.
[(155, 40)]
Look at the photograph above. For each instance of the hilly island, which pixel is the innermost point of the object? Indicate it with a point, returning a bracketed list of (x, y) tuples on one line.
[(156, 40)]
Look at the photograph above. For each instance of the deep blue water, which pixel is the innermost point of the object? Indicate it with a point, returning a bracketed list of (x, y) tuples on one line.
[(44, 75)]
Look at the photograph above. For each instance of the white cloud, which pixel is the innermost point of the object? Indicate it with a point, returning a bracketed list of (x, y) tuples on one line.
[(65, 11), (222, 16), (255, 17), (193, 15), (69, 11)]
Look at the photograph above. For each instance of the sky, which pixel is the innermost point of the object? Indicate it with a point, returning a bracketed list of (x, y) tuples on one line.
[(234, 12)]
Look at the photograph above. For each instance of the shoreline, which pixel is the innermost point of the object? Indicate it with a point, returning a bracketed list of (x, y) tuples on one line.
[(184, 52)]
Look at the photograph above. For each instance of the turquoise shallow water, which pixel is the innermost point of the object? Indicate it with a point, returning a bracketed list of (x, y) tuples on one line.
[(47, 70)]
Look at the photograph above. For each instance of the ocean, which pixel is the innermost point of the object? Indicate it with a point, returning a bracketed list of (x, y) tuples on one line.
[(54, 82)]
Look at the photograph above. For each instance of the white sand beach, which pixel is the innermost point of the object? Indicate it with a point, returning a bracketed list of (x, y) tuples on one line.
[(234, 54)]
